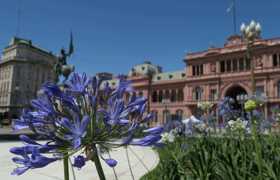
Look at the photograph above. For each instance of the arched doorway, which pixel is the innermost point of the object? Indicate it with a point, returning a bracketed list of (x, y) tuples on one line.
[(233, 92)]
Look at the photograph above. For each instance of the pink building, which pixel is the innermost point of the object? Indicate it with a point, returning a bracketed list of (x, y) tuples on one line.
[(210, 75)]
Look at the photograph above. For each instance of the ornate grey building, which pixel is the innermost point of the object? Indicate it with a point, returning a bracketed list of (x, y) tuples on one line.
[(23, 69)]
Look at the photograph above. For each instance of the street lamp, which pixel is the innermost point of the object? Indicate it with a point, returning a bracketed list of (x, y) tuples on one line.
[(250, 33), (165, 101), (241, 99)]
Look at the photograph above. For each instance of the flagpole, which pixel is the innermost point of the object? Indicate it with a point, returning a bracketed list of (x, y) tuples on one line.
[(234, 16)]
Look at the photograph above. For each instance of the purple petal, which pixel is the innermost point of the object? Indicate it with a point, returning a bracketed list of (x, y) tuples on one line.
[(27, 140), (77, 143), (85, 122), (154, 130), (111, 162), (18, 160), (19, 171), (79, 161)]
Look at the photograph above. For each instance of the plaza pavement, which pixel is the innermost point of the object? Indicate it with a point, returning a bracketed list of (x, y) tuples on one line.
[(54, 171)]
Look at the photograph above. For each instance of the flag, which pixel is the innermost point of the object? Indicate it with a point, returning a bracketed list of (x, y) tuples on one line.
[(229, 9), (71, 46)]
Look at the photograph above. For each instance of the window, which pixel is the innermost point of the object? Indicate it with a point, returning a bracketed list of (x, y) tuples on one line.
[(160, 96), (228, 66), (155, 116), (275, 60), (241, 64), (180, 95), (260, 91), (154, 96), (179, 114), (167, 94), (197, 70), (166, 115), (248, 65), (173, 95), (193, 71), (222, 66), (197, 93), (213, 95), (278, 88), (234, 65), (201, 69)]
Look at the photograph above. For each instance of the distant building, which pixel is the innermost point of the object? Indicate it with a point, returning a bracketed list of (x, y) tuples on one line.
[(210, 75), (23, 68)]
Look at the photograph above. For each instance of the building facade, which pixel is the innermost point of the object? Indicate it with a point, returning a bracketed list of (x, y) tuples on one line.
[(23, 68), (210, 75)]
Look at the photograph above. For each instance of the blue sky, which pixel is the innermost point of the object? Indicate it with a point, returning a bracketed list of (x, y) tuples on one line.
[(114, 35)]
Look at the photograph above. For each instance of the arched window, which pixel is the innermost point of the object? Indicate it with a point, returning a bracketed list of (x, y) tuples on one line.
[(160, 96), (197, 93), (180, 95), (173, 95), (167, 94), (155, 96), (166, 115), (179, 114), (278, 88)]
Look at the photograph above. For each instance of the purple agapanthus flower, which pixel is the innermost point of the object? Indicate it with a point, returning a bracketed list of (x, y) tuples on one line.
[(82, 116), (148, 140), (44, 106), (31, 145), (79, 161), (76, 130), (154, 130), (116, 114), (29, 119), (78, 83), (33, 161)]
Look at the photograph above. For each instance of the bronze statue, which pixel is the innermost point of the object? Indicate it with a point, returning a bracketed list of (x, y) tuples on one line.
[(61, 67)]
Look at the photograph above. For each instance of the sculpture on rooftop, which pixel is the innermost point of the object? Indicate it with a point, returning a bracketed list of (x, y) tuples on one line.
[(61, 67)]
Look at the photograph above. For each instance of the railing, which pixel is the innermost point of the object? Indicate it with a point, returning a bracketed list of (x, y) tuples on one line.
[(238, 73), (194, 102)]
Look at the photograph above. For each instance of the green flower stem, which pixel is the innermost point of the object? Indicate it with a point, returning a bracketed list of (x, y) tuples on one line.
[(257, 146), (97, 163), (66, 167)]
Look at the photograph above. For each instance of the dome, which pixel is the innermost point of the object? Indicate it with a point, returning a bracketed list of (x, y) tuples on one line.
[(144, 69)]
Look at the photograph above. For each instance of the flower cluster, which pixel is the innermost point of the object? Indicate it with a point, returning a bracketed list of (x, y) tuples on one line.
[(205, 106), (237, 125), (83, 116), (226, 109)]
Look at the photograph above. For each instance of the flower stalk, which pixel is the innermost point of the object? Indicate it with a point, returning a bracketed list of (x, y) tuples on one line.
[(66, 167), (97, 163)]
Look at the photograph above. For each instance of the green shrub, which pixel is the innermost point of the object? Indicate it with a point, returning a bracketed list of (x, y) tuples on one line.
[(219, 158)]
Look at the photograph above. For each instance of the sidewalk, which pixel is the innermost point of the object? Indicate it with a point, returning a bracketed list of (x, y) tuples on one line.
[(146, 159)]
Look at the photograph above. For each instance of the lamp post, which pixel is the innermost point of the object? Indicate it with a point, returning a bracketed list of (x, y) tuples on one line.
[(241, 99), (165, 101), (250, 33)]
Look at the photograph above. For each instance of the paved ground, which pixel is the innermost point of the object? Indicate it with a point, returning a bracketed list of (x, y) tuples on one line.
[(55, 171)]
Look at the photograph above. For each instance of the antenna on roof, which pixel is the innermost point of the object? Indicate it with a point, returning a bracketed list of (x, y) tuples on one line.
[(18, 18)]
